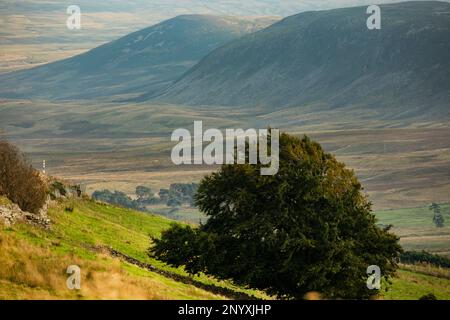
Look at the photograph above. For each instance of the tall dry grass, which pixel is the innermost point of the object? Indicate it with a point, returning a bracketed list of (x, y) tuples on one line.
[(30, 271)]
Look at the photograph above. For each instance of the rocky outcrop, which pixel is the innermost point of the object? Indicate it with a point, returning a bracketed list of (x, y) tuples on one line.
[(11, 214)]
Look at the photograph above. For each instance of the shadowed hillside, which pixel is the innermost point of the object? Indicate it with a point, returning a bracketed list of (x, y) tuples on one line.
[(329, 59), (143, 61)]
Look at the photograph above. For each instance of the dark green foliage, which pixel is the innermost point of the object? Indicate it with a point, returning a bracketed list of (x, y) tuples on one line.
[(185, 190), (145, 196), (144, 192), (180, 193), (69, 208), (429, 296), (177, 194), (182, 245), (58, 186), (174, 197), (308, 228), (411, 257), (438, 218), (116, 198)]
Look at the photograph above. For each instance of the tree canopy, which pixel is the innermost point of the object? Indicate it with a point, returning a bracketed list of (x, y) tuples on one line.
[(307, 228)]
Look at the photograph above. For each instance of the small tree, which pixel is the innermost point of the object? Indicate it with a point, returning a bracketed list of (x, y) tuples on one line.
[(438, 218), (19, 182), (144, 193), (307, 228)]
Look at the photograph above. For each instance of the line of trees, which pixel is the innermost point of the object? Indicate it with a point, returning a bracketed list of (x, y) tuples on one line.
[(174, 197), (117, 198), (438, 218), (412, 257)]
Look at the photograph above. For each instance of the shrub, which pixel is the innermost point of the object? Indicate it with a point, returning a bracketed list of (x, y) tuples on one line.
[(19, 182), (429, 296), (70, 207)]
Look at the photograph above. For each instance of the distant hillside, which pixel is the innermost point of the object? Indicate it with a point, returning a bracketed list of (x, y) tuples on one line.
[(330, 59), (144, 61)]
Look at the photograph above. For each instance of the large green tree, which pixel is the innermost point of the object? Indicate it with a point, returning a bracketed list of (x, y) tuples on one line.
[(307, 228)]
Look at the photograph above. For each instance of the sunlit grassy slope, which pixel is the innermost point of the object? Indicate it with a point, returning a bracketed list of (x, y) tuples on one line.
[(411, 286), (34, 261), (34, 268)]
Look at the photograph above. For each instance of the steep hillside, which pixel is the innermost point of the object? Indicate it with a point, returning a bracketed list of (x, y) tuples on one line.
[(329, 59), (144, 61), (34, 260)]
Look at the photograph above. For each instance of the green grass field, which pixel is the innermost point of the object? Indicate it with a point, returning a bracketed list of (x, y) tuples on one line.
[(416, 229), (75, 238), (34, 260), (412, 217), (412, 285)]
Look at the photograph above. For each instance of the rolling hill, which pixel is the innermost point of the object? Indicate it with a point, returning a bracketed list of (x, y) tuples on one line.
[(330, 59), (143, 61)]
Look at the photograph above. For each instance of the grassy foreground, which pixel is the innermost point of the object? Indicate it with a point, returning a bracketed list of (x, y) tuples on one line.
[(34, 261)]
